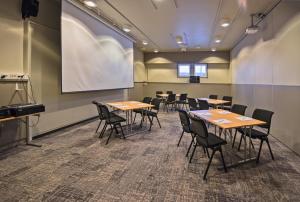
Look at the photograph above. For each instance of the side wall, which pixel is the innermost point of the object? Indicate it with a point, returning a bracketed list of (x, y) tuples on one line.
[(266, 71), (34, 48)]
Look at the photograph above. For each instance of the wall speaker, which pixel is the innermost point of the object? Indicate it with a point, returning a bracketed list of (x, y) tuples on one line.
[(30, 8)]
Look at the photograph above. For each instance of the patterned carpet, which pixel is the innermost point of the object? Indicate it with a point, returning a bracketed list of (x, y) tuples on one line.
[(74, 165)]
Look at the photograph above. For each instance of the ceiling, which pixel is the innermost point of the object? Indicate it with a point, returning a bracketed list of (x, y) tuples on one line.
[(198, 22)]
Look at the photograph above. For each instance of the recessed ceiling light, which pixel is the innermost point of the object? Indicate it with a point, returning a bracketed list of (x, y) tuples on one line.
[(213, 49), (218, 40), (125, 29), (145, 43), (225, 24), (156, 51), (90, 3)]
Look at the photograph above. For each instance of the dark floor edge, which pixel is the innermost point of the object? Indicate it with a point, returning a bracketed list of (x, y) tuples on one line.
[(64, 127)]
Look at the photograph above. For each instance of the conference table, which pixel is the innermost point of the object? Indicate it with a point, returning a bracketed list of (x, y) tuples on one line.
[(214, 102), (227, 120), (128, 107)]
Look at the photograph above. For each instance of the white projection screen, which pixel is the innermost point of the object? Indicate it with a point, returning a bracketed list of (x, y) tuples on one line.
[(94, 56)]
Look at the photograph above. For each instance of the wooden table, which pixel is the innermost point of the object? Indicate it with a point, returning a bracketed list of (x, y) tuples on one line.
[(128, 107), (214, 102), (28, 138), (227, 120)]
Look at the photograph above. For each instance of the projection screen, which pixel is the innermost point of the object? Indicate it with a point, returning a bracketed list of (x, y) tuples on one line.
[(94, 56)]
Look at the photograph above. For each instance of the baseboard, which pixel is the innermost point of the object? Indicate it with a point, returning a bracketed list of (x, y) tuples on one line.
[(64, 127)]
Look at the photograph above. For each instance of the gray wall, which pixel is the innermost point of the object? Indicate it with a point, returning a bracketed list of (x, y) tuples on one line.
[(266, 71)]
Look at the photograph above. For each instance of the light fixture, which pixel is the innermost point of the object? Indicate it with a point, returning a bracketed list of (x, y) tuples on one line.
[(179, 39), (156, 51), (218, 40), (252, 29), (90, 3), (225, 22), (145, 43), (126, 28), (213, 49)]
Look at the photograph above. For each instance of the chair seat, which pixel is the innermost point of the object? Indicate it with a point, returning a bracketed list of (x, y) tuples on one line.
[(149, 113), (181, 102), (212, 141), (139, 111), (115, 119), (255, 134), (186, 129)]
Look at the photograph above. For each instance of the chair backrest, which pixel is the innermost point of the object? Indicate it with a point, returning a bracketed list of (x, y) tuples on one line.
[(105, 112), (227, 98), (263, 115), (213, 97), (156, 103), (203, 104), (169, 92), (147, 100), (192, 103), (159, 92), (183, 97), (238, 109), (98, 104), (199, 128), (184, 118), (171, 97)]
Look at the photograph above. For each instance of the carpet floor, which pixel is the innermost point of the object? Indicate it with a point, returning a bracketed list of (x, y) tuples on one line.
[(75, 165)]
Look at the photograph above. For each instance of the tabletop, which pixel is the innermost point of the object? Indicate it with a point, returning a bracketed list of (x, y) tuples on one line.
[(129, 105), (226, 119), (214, 101)]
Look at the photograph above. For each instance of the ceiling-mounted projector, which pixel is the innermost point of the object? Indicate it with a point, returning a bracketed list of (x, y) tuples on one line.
[(252, 29)]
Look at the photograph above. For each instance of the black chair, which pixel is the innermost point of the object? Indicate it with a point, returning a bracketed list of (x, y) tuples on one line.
[(193, 104), (182, 101), (157, 94), (238, 109), (152, 114), (146, 100), (263, 115), (226, 106), (186, 125), (213, 97), (203, 104), (169, 92), (170, 101), (207, 140), (112, 121), (100, 115)]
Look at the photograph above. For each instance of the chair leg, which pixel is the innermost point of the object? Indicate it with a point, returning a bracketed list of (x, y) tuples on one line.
[(188, 151), (193, 153), (122, 132), (116, 129), (223, 161), (208, 165), (134, 117), (98, 126), (151, 122), (242, 136), (103, 130), (207, 152), (180, 138), (158, 121), (258, 155), (109, 136), (267, 140), (234, 138)]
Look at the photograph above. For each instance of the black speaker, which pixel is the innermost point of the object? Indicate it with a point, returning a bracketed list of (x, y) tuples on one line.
[(30, 8), (194, 79)]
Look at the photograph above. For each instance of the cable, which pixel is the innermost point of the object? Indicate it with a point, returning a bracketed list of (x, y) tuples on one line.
[(33, 125)]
